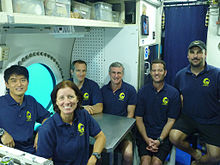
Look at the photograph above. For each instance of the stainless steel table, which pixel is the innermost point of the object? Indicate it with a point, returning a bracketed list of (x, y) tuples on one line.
[(115, 129)]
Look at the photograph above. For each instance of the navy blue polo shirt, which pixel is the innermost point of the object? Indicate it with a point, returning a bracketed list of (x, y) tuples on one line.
[(91, 92), (201, 94), (18, 120), (117, 103), (67, 144), (156, 107)]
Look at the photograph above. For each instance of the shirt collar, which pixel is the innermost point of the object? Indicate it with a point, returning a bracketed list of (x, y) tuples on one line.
[(11, 101), (25, 101), (84, 83), (206, 69), (163, 89), (109, 85), (58, 120), (85, 80)]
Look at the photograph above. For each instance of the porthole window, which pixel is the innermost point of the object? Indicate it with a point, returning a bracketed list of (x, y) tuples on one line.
[(44, 73), (41, 84)]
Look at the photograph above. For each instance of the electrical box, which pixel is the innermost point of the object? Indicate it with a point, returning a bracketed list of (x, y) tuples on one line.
[(4, 52)]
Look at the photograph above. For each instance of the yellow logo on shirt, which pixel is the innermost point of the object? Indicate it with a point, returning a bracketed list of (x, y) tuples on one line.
[(206, 82), (86, 96), (165, 101), (81, 129), (122, 96), (28, 116)]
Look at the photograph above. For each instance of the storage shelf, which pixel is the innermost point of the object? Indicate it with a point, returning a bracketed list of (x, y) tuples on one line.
[(27, 20)]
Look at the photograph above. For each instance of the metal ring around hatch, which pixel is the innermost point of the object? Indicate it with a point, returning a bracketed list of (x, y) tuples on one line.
[(45, 59)]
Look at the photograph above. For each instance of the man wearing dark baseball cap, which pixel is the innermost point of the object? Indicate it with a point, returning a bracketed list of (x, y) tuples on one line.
[(199, 86), (197, 43)]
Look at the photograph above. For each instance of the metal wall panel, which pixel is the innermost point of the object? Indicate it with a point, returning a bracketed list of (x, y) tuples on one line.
[(91, 49)]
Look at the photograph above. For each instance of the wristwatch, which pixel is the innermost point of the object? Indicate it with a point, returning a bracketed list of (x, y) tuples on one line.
[(2, 131), (160, 140), (97, 155)]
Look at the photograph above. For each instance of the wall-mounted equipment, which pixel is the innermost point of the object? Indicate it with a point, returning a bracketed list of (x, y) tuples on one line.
[(4, 52), (69, 31), (218, 30), (147, 55), (207, 18), (144, 25), (163, 21)]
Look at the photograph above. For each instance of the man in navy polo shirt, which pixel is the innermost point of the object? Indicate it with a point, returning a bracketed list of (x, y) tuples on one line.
[(158, 107), (199, 86), (119, 98), (92, 97), (19, 112)]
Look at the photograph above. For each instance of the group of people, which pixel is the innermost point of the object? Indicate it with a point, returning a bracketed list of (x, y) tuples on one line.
[(165, 115)]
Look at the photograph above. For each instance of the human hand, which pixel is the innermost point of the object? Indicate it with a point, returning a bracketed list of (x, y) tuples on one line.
[(152, 145), (149, 142), (92, 160), (152, 148), (155, 146), (90, 109), (156, 143), (7, 140), (35, 141)]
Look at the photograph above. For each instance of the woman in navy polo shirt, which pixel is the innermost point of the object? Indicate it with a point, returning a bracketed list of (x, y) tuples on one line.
[(64, 137)]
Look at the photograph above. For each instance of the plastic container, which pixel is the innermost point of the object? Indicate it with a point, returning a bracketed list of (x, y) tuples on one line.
[(35, 7), (81, 10), (59, 8), (115, 16), (102, 11)]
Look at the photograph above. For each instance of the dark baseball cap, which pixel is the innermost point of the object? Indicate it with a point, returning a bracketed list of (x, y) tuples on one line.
[(197, 43)]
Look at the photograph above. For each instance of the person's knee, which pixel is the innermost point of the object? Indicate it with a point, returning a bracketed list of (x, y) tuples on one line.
[(214, 157), (128, 155), (128, 151), (156, 162), (174, 136), (145, 160)]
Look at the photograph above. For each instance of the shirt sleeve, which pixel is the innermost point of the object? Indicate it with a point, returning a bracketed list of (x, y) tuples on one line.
[(132, 100), (96, 95), (218, 84), (45, 145), (177, 81), (174, 105), (42, 113), (139, 111), (94, 127)]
